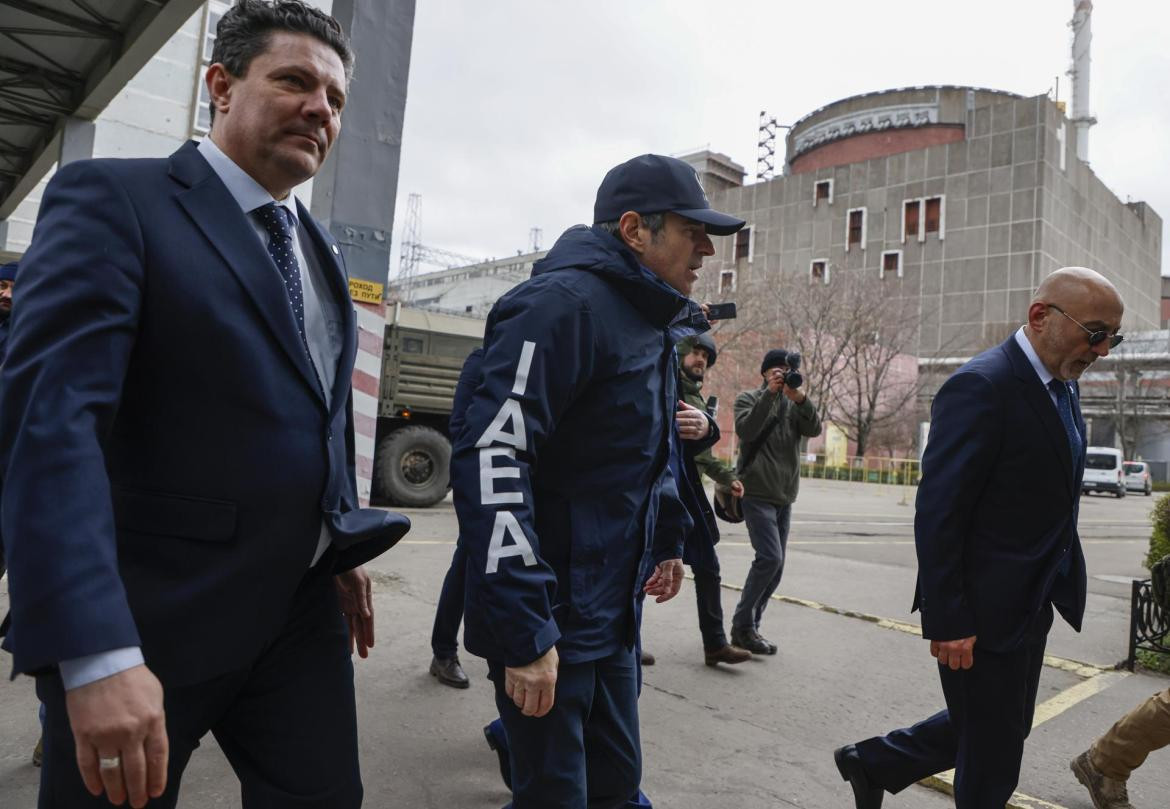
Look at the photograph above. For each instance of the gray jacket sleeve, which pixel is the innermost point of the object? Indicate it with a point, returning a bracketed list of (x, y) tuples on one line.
[(752, 409), (806, 419)]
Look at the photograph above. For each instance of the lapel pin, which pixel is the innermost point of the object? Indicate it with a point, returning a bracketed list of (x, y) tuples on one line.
[(336, 252)]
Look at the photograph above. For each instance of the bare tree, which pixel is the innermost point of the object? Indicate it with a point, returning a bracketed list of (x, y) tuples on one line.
[(880, 355), (1130, 388)]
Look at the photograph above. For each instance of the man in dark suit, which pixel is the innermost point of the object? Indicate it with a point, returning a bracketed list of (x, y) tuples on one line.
[(995, 557), (176, 445)]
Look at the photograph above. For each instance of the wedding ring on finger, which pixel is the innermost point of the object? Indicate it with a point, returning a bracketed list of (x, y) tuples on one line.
[(111, 763)]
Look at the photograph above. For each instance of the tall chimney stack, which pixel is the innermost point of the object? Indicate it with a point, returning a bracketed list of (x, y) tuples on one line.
[(1079, 71)]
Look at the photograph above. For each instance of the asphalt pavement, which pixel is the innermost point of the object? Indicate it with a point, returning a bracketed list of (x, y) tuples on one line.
[(756, 735)]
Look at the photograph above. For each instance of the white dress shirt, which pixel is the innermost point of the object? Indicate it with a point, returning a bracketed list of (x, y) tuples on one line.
[(1041, 369)]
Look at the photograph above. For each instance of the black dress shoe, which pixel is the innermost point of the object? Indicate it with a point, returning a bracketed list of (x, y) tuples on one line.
[(449, 672), (753, 641), (500, 749), (865, 794)]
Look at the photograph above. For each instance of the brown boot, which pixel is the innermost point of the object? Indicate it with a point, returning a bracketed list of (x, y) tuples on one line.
[(726, 654), (1105, 792)]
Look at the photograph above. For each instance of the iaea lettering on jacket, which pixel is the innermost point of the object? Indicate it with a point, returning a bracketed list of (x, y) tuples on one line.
[(496, 442)]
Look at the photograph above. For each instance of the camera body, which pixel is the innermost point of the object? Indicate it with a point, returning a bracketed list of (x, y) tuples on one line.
[(792, 377)]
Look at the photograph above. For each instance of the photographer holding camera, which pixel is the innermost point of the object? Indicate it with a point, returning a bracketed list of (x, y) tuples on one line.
[(770, 422)]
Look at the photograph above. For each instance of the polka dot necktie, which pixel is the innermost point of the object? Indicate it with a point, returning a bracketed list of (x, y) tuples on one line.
[(277, 220)]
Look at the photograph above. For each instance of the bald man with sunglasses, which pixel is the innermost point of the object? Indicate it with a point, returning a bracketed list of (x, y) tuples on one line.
[(996, 558)]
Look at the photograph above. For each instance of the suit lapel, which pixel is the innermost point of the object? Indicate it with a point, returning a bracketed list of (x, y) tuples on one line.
[(214, 211), (1041, 403), (333, 265)]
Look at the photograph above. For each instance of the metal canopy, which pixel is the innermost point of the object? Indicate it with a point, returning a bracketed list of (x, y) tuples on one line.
[(62, 59)]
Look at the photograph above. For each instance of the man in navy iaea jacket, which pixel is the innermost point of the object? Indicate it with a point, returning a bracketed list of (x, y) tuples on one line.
[(569, 504)]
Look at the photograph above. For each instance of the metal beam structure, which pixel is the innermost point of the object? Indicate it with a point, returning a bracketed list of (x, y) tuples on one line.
[(354, 193), (61, 63)]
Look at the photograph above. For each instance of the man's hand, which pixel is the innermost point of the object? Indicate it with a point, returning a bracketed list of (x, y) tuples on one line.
[(795, 395), (692, 422), (737, 488), (956, 654), (120, 733), (356, 593), (775, 379), (533, 687), (665, 581)]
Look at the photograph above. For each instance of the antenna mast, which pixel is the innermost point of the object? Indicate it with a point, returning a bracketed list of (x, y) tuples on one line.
[(766, 156)]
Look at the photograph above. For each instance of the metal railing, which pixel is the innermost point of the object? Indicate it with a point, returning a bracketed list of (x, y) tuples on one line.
[(1149, 623), (891, 471)]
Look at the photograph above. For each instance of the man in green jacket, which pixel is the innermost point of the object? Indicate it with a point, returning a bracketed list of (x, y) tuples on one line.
[(695, 356), (770, 422)]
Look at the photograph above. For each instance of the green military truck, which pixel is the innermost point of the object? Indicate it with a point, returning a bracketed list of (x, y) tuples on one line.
[(421, 359)]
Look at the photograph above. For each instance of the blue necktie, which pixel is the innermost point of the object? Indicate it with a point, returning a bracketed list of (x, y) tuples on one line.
[(1064, 407), (277, 220)]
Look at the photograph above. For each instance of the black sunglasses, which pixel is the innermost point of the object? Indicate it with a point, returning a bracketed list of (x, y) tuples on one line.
[(1095, 337)]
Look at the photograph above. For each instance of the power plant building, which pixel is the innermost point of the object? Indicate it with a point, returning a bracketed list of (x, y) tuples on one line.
[(960, 197)]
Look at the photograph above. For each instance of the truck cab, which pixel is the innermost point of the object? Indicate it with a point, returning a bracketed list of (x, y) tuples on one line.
[(422, 356)]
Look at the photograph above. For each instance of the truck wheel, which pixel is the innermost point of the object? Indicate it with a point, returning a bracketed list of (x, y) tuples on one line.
[(414, 466)]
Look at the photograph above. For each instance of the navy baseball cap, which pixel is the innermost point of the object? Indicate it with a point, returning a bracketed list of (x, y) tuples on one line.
[(8, 271), (656, 184)]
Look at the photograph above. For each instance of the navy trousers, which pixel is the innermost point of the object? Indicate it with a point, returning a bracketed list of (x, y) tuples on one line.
[(586, 752), (709, 600), (449, 610), (287, 725), (981, 733)]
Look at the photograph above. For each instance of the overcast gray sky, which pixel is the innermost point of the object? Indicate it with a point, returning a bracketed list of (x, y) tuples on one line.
[(516, 108)]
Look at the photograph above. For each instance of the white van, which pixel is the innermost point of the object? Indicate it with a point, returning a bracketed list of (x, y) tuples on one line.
[(1137, 477), (1103, 471)]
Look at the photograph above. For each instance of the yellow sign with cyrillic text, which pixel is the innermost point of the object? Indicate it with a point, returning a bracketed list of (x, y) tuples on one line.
[(365, 291)]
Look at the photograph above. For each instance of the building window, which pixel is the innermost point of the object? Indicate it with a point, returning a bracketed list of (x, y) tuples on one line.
[(910, 210), (726, 282), (891, 263), (823, 190), (201, 113), (743, 244), (1061, 149), (935, 219), (934, 215), (819, 270), (855, 219)]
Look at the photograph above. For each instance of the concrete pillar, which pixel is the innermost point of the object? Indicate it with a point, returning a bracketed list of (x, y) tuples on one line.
[(76, 140), (354, 193)]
